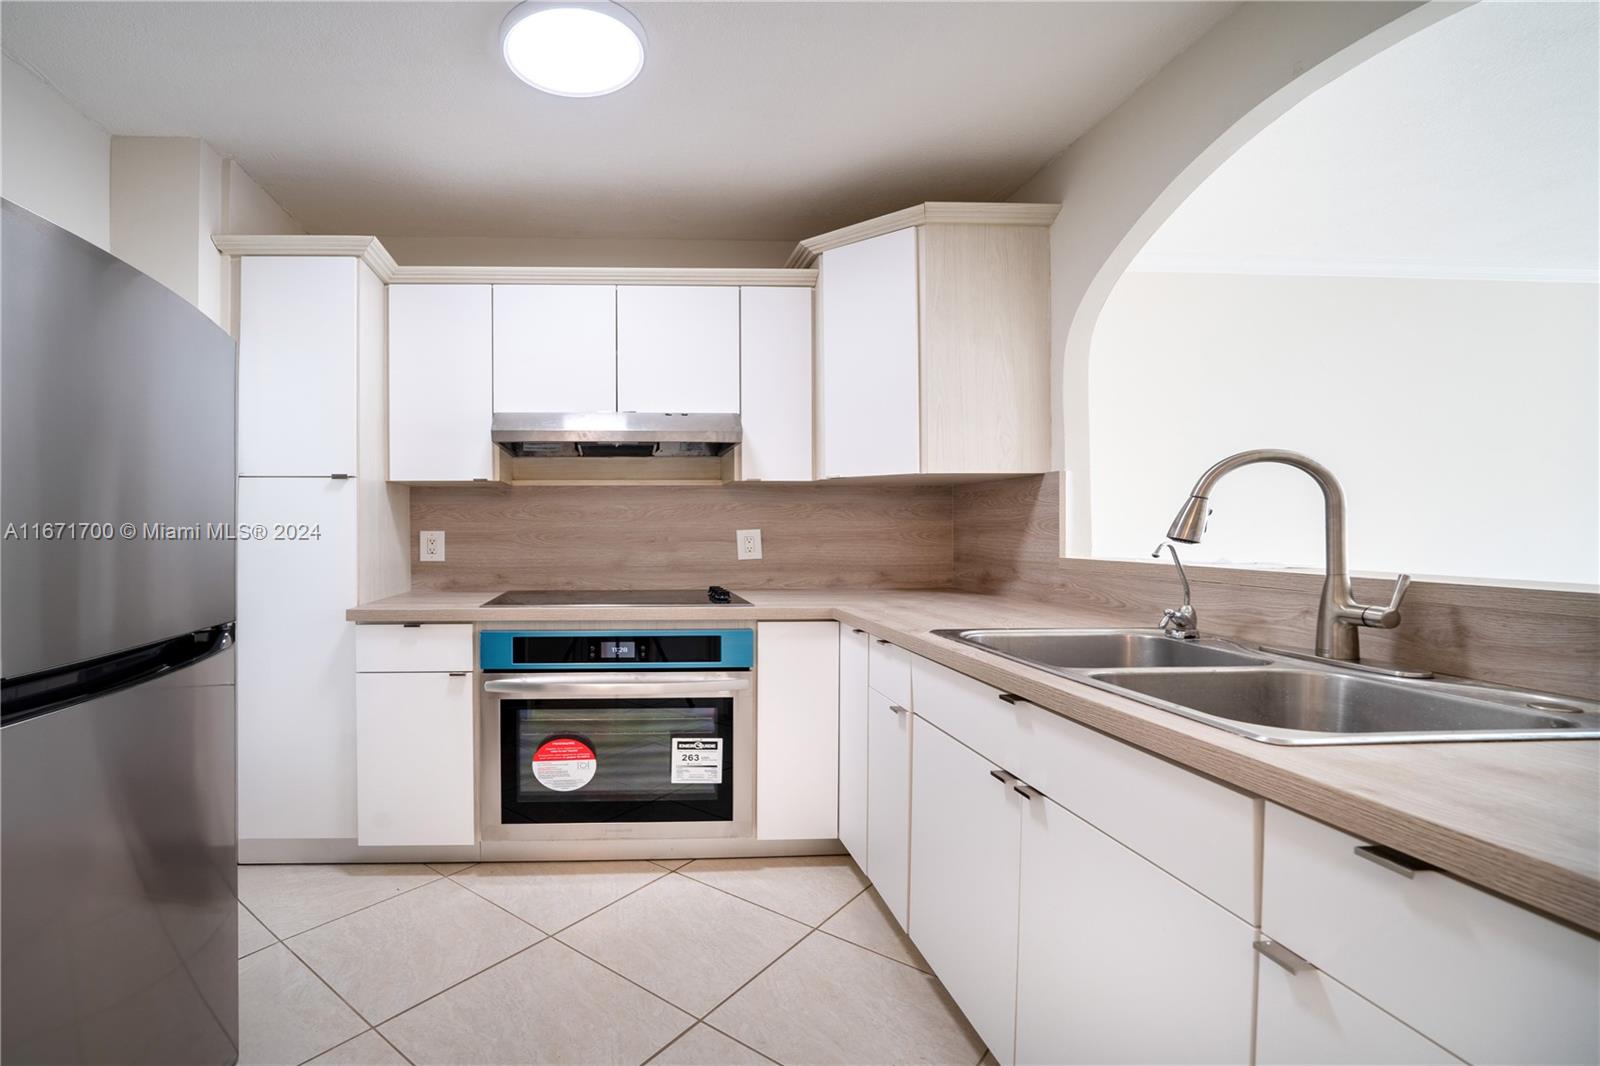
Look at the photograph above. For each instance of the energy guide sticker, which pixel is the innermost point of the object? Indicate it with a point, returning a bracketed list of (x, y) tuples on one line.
[(564, 764), (697, 760)]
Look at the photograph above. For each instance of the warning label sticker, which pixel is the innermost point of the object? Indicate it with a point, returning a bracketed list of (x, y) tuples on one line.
[(697, 760), (564, 764)]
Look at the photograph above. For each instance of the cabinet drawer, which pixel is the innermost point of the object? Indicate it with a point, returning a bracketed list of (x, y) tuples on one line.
[(413, 649), (1309, 1018), (1484, 978), (889, 672), (1197, 830), (968, 710)]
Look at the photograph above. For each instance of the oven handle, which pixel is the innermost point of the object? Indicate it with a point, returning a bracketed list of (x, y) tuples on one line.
[(584, 688)]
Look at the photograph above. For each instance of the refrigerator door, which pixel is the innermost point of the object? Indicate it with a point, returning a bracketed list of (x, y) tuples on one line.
[(118, 925), (117, 409)]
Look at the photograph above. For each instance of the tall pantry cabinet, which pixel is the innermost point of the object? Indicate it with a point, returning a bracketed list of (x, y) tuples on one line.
[(320, 528)]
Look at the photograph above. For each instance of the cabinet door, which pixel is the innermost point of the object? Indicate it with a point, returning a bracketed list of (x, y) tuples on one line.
[(296, 661), (853, 742), (965, 836), (867, 357), (297, 366), (414, 759), (797, 731), (775, 383), (440, 393), (678, 348), (1119, 961), (555, 348), (889, 801), (1309, 1018)]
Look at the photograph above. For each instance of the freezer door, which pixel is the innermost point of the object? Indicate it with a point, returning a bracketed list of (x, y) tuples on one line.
[(118, 921), (118, 407)]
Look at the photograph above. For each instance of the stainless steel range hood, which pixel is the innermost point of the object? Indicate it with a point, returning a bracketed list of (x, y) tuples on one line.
[(615, 433)]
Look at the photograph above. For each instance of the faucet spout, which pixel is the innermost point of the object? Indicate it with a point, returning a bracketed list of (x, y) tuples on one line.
[(1338, 613)]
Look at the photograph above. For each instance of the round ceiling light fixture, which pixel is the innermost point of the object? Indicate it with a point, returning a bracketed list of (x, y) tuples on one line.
[(573, 49)]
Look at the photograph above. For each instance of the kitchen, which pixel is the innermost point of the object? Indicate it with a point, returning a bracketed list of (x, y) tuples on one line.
[(673, 587)]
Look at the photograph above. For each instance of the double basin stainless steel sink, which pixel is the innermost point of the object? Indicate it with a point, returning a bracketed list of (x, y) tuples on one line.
[(1278, 699)]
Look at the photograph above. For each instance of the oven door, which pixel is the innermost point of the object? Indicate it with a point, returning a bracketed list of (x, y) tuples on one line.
[(616, 755)]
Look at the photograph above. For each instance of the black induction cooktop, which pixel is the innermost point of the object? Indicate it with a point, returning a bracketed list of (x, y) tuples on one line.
[(716, 594)]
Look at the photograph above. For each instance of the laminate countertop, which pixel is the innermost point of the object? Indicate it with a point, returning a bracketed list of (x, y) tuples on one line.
[(1521, 819)]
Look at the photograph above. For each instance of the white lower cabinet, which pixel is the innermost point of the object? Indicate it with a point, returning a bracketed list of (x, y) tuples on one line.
[(1309, 1019), (797, 731), (889, 801), (1119, 961), (853, 742), (965, 838), (414, 744)]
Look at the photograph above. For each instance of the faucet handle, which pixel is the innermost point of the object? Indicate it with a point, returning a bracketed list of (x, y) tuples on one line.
[(1387, 617)]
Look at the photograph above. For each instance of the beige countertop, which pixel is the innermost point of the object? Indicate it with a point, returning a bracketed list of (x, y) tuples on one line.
[(1521, 819)]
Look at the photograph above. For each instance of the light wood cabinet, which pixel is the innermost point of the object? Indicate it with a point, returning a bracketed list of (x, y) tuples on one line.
[(555, 348), (853, 760), (440, 389), (678, 348), (889, 802), (965, 852), (775, 383), (797, 731), (933, 349), (413, 759)]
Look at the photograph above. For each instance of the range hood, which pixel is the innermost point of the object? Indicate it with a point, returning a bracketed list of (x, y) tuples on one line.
[(615, 433)]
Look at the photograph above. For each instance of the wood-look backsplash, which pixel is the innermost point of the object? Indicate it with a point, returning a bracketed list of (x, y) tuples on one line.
[(682, 536), (1007, 535)]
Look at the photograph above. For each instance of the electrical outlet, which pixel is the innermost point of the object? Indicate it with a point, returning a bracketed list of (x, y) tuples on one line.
[(748, 542), (432, 548)]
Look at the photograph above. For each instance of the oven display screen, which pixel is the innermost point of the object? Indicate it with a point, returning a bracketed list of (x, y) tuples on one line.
[(619, 649)]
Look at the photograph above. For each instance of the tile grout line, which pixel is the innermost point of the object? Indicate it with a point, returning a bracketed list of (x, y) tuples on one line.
[(873, 951), (368, 906), (770, 910), (348, 1005)]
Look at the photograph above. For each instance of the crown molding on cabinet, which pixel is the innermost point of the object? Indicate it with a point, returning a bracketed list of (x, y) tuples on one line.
[(806, 252), (372, 252)]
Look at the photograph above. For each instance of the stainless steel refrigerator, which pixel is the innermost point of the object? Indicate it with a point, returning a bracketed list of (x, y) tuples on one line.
[(118, 920)]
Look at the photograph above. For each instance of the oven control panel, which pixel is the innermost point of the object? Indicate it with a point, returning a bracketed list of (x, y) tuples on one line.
[(661, 649)]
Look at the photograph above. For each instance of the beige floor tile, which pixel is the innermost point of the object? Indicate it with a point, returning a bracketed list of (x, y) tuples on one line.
[(831, 1002), (704, 1046), (448, 868), (286, 1015), (253, 936), (806, 888), (684, 941), (399, 952), (292, 899), (865, 920), (671, 864), (368, 1049), (547, 1005), (553, 895)]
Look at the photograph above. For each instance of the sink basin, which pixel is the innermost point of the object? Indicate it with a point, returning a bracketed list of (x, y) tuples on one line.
[(1323, 706), (1102, 649)]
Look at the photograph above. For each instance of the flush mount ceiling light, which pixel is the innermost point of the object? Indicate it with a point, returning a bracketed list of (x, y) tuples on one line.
[(573, 49)]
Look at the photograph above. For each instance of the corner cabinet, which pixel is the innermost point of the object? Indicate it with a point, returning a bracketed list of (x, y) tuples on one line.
[(933, 345)]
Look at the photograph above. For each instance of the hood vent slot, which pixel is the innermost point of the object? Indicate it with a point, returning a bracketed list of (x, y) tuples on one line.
[(611, 435)]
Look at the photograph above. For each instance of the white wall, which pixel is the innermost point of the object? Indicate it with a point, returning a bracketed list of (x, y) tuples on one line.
[(1460, 417), (53, 160)]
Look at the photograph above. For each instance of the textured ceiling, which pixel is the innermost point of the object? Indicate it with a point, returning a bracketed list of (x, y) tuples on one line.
[(750, 120)]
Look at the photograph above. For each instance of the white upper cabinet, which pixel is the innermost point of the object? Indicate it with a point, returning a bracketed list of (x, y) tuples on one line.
[(775, 383), (678, 348), (867, 355), (440, 392), (555, 348), (297, 366)]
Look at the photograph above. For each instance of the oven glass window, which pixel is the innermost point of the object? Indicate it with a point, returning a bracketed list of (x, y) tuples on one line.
[(616, 760)]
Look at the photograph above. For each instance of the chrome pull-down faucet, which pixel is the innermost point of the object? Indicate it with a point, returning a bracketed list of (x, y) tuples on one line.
[(1338, 613), (1179, 622)]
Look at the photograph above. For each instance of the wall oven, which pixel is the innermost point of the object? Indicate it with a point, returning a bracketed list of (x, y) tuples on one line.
[(606, 735)]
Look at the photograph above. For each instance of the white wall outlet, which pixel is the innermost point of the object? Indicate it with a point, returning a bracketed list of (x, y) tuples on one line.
[(748, 542), (432, 548)]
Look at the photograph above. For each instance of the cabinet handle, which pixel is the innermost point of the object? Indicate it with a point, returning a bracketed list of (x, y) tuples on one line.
[(1027, 791), (858, 630), (1005, 777), (880, 640), (896, 708), (458, 673), (1007, 697), (1281, 955), (1394, 861), (410, 625)]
